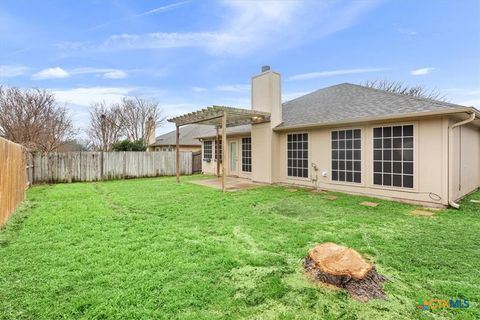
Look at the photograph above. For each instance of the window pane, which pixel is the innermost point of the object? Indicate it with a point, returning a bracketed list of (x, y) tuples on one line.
[(335, 175), (377, 132), (408, 167), (377, 178), (397, 167), (408, 181), (397, 131), (387, 179), (397, 180), (408, 131), (357, 177)]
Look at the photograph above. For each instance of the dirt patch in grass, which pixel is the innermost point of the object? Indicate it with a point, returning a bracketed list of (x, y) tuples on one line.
[(344, 268)]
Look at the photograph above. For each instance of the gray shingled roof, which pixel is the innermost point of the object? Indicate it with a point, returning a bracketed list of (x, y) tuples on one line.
[(347, 101), (188, 136), (343, 102)]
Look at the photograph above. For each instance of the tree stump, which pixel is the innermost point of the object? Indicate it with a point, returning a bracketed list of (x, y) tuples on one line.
[(345, 268)]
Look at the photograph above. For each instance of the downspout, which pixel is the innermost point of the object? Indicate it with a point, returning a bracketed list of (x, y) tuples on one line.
[(450, 157)]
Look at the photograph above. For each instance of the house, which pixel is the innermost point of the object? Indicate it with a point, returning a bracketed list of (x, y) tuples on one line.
[(352, 139), (188, 139)]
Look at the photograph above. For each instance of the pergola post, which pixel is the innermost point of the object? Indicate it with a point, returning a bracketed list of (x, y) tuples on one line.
[(217, 152), (177, 153), (224, 147)]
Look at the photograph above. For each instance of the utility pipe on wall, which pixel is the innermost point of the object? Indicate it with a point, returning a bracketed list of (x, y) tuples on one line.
[(471, 118)]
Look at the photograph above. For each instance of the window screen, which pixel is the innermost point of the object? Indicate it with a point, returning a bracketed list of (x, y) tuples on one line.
[(247, 154), (297, 158), (207, 149), (393, 157), (347, 155)]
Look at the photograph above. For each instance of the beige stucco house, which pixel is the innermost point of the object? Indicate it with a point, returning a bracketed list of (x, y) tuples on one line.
[(355, 139)]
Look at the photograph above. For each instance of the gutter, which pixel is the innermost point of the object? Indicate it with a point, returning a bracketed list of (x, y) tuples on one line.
[(373, 119), (450, 156)]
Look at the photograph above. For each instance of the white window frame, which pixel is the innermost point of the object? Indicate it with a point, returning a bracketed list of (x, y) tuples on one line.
[(203, 150), (307, 178), (241, 155), (414, 157), (362, 158)]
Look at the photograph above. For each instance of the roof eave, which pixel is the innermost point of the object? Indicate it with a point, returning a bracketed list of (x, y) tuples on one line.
[(379, 118)]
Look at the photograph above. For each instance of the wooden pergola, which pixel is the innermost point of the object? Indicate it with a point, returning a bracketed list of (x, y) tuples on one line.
[(222, 118)]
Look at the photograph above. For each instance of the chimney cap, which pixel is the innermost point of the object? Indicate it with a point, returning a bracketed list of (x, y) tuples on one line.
[(265, 68)]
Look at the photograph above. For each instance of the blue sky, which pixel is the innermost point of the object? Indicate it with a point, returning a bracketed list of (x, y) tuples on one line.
[(191, 54)]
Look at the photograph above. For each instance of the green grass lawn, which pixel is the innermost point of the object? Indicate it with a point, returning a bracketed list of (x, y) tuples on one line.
[(152, 249)]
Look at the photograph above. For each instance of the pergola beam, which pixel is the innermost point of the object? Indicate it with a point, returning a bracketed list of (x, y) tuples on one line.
[(177, 153), (224, 148)]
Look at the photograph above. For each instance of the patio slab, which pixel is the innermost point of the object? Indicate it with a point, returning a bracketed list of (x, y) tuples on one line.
[(232, 184)]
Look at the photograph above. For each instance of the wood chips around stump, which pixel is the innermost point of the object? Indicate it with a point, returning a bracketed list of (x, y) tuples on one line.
[(345, 268)]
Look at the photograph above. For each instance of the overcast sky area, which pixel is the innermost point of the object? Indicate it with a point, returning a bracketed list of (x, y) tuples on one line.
[(191, 54)]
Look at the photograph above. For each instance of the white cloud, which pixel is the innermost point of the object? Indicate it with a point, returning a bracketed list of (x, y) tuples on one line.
[(323, 74), (421, 71), (248, 25), (57, 72), (199, 89), (10, 71), (85, 96), (115, 74), (51, 73), (409, 32), (163, 8), (143, 14), (233, 88)]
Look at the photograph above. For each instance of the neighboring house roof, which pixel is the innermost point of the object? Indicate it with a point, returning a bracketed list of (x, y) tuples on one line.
[(344, 102), (188, 136)]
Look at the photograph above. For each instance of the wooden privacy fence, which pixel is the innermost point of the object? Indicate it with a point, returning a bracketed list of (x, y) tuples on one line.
[(96, 166), (13, 177)]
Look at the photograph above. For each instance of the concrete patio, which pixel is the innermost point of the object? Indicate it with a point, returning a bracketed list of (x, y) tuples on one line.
[(232, 184)]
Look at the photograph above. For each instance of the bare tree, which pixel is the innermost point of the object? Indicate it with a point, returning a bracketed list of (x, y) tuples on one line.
[(140, 116), (401, 88), (34, 119), (106, 125)]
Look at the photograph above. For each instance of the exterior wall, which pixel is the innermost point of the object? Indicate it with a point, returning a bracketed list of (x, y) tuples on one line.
[(466, 160), (430, 167)]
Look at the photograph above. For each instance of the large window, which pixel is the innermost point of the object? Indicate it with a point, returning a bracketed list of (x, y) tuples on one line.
[(347, 155), (393, 158), (247, 154), (207, 149), (297, 157)]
